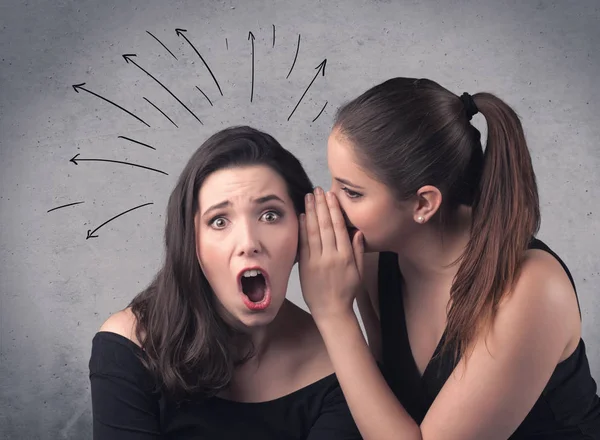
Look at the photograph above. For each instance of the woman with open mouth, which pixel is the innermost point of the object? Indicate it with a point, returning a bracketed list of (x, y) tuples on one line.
[(212, 349)]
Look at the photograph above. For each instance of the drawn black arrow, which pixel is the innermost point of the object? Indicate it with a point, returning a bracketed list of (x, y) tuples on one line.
[(273, 35), (90, 233), (163, 113), (320, 68), (64, 206), (251, 36), (76, 87), (207, 98), (75, 160), (128, 59), (295, 57), (161, 44), (317, 117), (136, 142), (180, 33)]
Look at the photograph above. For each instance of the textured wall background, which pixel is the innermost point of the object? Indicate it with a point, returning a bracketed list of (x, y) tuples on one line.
[(56, 287)]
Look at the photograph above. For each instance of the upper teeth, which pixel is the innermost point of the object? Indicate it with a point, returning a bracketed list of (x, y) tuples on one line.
[(251, 273)]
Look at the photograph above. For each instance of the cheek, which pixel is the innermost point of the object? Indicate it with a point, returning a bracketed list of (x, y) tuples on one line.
[(284, 243), (360, 214), (212, 257)]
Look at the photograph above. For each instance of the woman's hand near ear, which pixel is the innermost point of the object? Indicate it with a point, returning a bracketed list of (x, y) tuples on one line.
[(330, 264)]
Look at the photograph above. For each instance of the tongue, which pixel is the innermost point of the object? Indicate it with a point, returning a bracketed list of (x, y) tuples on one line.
[(254, 288)]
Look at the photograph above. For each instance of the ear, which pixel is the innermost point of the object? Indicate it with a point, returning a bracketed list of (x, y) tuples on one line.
[(429, 200)]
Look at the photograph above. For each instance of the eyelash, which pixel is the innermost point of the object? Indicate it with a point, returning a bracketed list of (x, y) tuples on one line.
[(351, 194), (270, 211)]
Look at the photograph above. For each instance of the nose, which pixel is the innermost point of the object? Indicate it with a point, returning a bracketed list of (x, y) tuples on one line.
[(248, 241)]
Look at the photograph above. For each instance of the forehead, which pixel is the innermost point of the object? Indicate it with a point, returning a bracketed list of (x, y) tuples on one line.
[(342, 160), (243, 181)]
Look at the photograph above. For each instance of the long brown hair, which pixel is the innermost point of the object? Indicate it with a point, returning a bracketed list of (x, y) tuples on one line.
[(413, 132), (188, 347)]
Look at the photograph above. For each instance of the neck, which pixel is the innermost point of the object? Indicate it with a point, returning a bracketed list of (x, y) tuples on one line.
[(430, 253), (263, 338)]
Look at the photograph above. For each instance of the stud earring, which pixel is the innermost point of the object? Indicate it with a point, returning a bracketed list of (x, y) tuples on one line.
[(420, 219)]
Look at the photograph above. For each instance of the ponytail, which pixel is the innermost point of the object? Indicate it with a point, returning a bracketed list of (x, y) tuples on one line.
[(505, 217), (411, 132)]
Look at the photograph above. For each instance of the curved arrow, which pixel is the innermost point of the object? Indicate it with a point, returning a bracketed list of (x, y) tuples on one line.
[(149, 33), (76, 87), (207, 98), (180, 33), (163, 113), (251, 36), (320, 69), (136, 142), (128, 59), (75, 160), (317, 117), (90, 233), (295, 58), (64, 206)]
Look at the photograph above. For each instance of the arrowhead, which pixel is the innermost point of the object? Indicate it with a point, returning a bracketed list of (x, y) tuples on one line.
[(322, 66), (250, 34), (180, 31), (90, 235), (77, 86), (73, 159), (128, 55)]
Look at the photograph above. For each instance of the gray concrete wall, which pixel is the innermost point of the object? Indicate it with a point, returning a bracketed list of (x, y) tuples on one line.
[(56, 287)]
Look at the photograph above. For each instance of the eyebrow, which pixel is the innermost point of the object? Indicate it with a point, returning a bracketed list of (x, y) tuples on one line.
[(257, 201), (347, 182)]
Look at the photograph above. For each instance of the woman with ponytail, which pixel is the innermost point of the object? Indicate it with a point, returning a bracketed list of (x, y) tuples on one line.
[(473, 324)]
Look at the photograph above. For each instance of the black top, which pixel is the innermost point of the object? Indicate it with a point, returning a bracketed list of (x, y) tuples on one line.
[(568, 408), (124, 407)]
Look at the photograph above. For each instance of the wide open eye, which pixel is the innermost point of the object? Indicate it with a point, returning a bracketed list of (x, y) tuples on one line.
[(271, 216), (218, 222)]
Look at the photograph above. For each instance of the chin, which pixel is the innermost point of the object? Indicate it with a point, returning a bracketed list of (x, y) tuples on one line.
[(254, 321), (251, 319)]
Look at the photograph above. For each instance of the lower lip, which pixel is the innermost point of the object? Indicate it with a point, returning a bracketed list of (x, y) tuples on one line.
[(257, 306)]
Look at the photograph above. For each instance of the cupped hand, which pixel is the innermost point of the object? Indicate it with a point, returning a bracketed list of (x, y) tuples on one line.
[(329, 263)]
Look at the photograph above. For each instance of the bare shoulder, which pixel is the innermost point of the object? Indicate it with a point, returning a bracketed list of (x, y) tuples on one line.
[(543, 298), (122, 323), (543, 279)]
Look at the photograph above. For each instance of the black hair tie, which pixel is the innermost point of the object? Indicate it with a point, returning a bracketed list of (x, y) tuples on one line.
[(470, 106)]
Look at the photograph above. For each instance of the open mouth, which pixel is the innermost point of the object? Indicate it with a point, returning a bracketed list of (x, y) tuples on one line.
[(254, 285)]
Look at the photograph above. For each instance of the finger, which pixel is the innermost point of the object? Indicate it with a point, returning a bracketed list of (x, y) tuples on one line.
[(324, 219), (358, 247), (303, 247), (342, 239), (312, 226)]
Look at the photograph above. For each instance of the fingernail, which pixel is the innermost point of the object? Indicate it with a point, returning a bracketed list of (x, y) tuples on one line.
[(309, 197), (318, 190)]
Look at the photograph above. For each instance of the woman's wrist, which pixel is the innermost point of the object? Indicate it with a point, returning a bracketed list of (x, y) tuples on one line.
[(335, 322)]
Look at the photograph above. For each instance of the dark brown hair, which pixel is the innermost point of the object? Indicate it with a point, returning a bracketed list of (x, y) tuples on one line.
[(188, 346), (413, 132)]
